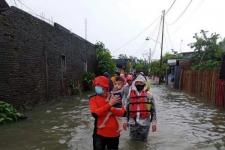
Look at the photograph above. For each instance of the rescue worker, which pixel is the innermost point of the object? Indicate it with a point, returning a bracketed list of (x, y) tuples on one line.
[(100, 105), (141, 111)]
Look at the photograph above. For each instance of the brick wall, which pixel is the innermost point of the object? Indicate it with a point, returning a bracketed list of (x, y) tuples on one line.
[(37, 59)]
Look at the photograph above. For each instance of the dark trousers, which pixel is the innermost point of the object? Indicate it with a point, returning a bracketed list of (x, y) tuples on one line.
[(139, 132), (105, 143)]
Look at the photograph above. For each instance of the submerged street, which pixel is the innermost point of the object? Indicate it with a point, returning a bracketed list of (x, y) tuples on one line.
[(184, 123)]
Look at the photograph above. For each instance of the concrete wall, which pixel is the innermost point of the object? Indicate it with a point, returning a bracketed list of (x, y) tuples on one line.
[(32, 54)]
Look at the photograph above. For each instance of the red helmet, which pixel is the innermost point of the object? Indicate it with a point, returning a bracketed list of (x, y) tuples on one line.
[(101, 81)]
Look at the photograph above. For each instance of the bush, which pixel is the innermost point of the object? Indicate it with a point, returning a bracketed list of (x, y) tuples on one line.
[(8, 113), (87, 81), (74, 87)]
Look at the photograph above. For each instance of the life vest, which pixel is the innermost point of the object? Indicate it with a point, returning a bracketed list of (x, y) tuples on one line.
[(139, 104)]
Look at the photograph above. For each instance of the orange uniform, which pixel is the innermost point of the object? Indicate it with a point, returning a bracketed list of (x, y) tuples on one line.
[(99, 108)]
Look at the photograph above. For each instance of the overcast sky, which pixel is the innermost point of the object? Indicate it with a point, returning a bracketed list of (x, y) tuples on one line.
[(118, 22)]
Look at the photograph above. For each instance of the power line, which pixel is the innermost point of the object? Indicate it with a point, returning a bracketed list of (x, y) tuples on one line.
[(197, 8), (168, 33), (153, 32), (153, 52), (182, 13), (170, 7), (131, 40), (140, 33)]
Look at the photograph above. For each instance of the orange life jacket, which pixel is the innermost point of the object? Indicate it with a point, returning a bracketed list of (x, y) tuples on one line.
[(142, 102)]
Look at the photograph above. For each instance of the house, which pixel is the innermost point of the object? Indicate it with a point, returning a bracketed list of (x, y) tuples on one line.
[(175, 66), (37, 59)]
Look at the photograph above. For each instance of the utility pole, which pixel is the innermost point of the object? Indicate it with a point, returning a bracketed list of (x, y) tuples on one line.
[(149, 59), (149, 56), (163, 19)]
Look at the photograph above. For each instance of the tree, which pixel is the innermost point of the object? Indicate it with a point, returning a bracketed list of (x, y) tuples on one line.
[(123, 56), (155, 68), (208, 51), (141, 66), (104, 59), (167, 56)]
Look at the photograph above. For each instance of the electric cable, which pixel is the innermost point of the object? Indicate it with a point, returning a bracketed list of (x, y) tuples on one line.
[(169, 37), (170, 7), (154, 50), (140, 33), (197, 8), (182, 13)]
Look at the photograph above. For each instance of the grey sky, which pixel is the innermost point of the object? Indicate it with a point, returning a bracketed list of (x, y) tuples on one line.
[(114, 22)]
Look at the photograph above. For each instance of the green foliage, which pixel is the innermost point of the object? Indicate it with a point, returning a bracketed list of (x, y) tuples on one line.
[(74, 87), (142, 66), (209, 64), (104, 59), (208, 51), (156, 70), (168, 56), (128, 61), (122, 56), (8, 113), (87, 80)]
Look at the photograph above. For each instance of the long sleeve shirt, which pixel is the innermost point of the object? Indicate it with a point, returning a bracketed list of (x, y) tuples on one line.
[(99, 107)]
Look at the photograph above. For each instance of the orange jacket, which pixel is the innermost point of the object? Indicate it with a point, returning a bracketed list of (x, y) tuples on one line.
[(99, 108)]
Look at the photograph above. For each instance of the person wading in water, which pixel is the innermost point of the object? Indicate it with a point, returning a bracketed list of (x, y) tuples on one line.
[(141, 111), (100, 105)]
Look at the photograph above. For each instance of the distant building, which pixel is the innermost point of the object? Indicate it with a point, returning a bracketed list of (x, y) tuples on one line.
[(175, 66)]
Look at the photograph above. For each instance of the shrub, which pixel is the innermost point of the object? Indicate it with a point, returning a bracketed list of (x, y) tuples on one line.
[(87, 81), (8, 113)]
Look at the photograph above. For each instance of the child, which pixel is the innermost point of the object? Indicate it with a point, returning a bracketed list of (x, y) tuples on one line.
[(117, 92)]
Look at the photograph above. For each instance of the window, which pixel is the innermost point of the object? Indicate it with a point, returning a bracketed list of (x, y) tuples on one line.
[(63, 63)]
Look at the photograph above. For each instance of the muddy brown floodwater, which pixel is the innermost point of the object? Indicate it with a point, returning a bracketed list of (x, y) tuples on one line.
[(184, 123)]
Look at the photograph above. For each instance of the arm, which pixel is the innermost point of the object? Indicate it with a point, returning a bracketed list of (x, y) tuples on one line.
[(153, 110), (99, 111), (120, 112)]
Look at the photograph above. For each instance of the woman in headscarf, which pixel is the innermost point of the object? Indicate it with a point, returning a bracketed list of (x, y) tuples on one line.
[(141, 111)]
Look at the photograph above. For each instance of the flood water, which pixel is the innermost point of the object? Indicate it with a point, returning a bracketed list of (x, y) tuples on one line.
[(184, 123)]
